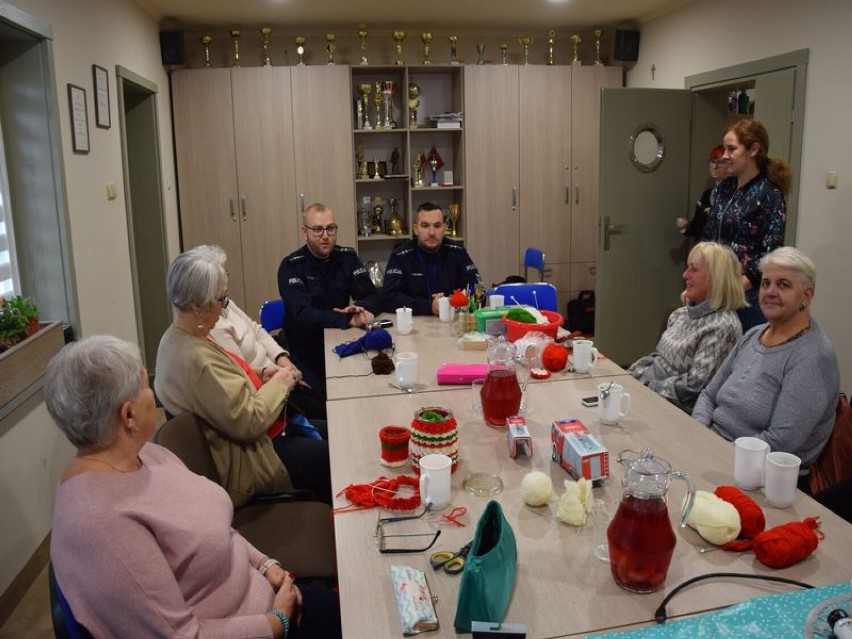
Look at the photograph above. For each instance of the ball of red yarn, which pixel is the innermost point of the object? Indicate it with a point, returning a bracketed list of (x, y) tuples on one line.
[(787, 544), (554, 357), (752, 519)]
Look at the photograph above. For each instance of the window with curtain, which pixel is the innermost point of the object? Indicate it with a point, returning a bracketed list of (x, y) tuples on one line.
[(8, 266)]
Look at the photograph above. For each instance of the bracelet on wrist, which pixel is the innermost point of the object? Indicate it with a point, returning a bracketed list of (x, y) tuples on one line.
[(283, 618), (280, 355), (266, 565)]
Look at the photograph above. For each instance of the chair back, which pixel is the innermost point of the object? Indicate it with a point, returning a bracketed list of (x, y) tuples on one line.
[(65, 626), (184, 436), (834, 463), (540, 295), (272, 315), (534, 258)]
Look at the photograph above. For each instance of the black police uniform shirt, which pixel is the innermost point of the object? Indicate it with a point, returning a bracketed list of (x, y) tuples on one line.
[(311, 288), (413, 275)]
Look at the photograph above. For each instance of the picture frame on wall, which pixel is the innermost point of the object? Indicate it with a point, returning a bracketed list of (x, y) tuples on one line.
[(101, 84), (79, 118)]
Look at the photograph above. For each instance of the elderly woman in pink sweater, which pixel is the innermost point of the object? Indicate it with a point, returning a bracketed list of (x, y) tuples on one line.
[(142, 547)]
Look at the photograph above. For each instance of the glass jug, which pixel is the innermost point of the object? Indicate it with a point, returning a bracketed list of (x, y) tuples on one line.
[(641, 539), (501, 393)]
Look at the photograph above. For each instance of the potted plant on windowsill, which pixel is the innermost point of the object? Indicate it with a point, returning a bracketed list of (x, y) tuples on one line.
[(15, 314)]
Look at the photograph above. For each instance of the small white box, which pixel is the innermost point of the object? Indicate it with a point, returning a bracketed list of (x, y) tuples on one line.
[(448, 178)]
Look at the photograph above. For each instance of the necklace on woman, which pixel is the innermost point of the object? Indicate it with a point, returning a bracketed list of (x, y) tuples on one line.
[(113, 466), (789, 339)]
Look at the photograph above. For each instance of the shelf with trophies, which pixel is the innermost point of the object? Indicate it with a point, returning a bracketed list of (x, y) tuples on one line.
[(408, 149)]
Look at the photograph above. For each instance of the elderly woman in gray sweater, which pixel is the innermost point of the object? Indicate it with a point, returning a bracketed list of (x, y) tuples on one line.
[(700, 334), (781, 382)]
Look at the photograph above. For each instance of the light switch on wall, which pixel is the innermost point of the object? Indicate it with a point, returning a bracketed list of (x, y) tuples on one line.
[(831, 180), (111, 192)]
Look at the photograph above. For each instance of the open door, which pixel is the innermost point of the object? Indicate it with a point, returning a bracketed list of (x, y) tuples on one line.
[(645, 153)]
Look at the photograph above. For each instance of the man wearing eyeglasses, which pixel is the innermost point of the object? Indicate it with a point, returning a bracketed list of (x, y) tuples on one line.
[(427, 267), (323, 286)]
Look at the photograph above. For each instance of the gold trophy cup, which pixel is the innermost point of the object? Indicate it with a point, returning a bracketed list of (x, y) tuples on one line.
[(454, 214), (598, 33), (362, 35), (365, 89), (329, 47), (377, 101), (426, 39), (551, 41), (504, 54), (413, 103), (454, 42), (526, 42), (398, 37), (235, 36), (299, 41), (388, 89), (205, 42), (576, 39)]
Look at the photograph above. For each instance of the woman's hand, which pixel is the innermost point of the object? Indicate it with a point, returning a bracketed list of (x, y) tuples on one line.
[(276, 575), (288, 598), (682, 224), (286, 378)]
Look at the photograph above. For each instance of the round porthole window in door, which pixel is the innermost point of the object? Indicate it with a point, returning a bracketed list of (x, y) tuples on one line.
[(646, 148)]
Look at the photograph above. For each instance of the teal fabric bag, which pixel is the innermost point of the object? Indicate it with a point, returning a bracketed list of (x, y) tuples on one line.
[(489, 573)]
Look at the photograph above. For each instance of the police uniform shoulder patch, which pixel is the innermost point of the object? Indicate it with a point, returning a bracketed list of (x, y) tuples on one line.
[(344, 249), (293, 258)]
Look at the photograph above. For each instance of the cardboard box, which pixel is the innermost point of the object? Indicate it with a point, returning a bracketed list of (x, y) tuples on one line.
[(577, 450)]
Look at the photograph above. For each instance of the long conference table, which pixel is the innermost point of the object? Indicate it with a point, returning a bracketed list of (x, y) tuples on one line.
[(562, 589)]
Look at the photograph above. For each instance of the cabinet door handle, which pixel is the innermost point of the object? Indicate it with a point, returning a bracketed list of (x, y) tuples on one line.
[(576, 195), (302, 201), (514, 198), (243, 207), (232, 206)]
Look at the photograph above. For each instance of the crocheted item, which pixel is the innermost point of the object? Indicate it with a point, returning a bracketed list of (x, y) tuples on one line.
[(715, 519), (787, 544), (752, 519), (394, 446), (382, 492), (555, 357), (382, 364), (376, 340), (434, 430)]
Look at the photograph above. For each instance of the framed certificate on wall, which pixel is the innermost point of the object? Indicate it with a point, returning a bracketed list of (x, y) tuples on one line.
[(101, 82), (79, 118)]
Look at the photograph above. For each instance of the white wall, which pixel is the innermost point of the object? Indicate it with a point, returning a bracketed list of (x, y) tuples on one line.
[(704, 36), (85, 32)]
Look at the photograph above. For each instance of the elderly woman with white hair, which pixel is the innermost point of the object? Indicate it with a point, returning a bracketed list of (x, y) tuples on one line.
[(141, 546), (781, 381), (252, 448)]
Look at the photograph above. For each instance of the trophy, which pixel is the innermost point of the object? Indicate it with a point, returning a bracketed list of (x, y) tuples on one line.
[(598, 33), (377, 101), (378, 210), (365, 222), (454, 41), (329, 38), (362, 34), (413, 103), (454, 214), (398, 37), (365, 89), (265, 32), (205, 42), (377, 174), (299, 41), (551, 40), (526, 43), (388, 88), (362, 164), (480, 51), (504, 54), (395, 225), (433, 164), (418, 171), (576, 39), (235, 36), (426, 39)]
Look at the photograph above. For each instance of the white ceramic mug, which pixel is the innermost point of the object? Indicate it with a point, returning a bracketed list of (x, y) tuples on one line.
[(749, 459), (615, 405), (435, 473), (404, 320), (496, 300), (585, 355), (782, 478), (406, 370), (444, 313)]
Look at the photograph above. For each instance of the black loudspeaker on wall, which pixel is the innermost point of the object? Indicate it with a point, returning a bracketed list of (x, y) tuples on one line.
[(626, 45), (171, 47)]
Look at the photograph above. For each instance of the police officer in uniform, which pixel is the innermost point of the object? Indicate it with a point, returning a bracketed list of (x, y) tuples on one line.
[(323, 286), (427, 267)]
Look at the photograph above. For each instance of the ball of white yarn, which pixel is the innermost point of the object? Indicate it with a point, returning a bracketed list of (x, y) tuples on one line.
[(537, 488), (576, 503), (715, 519)]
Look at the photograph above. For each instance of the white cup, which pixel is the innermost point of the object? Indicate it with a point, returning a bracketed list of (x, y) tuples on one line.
[(585, 355), (615, 405), (782, 478), (749, 459), (406, 370), (435, 472), (404, 320), (444, 313), (496, 300)]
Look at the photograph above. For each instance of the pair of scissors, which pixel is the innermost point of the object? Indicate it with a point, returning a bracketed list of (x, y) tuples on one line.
[(451, 562)]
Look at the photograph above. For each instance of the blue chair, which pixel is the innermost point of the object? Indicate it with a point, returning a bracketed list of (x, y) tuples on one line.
[(534, 258), (540, 295), (65, 626), (272, 315)]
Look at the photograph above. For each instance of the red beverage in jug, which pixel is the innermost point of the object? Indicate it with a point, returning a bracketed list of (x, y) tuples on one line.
[(501, 396), (641, 543)]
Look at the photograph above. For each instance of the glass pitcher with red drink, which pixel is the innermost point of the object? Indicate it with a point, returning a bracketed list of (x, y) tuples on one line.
[(501, 393), (641, 538)]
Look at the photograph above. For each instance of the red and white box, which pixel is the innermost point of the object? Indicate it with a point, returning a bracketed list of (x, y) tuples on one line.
[(518, 436), (577, 450)]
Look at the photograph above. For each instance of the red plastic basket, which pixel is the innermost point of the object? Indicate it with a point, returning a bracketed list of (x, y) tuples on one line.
[(516, 330)]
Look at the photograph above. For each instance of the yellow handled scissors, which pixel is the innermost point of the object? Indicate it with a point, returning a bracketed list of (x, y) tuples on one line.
[(451, 562)]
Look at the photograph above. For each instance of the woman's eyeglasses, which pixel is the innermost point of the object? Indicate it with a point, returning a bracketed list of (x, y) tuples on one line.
[(224, 300)]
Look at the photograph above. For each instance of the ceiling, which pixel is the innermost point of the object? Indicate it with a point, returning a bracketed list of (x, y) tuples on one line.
[(464, 15)]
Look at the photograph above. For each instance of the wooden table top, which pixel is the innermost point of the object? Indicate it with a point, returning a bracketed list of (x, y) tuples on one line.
[(562, 589), (432, 340)]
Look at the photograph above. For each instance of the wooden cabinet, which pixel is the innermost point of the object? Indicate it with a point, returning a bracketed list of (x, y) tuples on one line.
[(246, 172), (528, 164), (392, 148)]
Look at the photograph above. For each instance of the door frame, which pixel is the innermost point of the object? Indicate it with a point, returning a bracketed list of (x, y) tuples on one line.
[(747, 71)]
